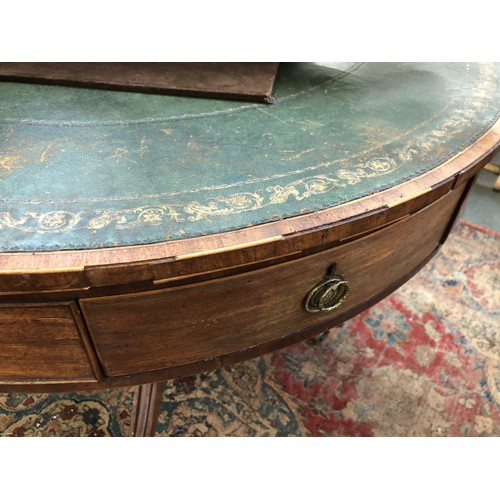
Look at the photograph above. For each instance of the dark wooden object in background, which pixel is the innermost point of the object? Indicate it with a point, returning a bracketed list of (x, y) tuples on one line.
[(245, 81)]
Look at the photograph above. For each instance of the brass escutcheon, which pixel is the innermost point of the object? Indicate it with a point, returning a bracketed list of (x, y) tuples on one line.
[(329, 294)]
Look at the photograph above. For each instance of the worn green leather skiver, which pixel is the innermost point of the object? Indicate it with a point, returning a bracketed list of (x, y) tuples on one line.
[(82, 168)]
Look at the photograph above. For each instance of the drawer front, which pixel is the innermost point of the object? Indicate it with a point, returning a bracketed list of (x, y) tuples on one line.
[(42, 342), (170, 327)]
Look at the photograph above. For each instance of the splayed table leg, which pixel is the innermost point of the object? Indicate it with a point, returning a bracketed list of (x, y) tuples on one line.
[(146, 408)]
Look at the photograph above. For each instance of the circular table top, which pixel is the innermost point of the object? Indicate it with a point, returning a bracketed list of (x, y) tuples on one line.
[(89, 169)]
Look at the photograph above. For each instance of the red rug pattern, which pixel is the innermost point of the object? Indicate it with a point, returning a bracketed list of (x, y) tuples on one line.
[(423, 362)]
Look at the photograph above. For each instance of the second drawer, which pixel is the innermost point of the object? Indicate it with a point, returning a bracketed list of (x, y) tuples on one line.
[(159, 329)]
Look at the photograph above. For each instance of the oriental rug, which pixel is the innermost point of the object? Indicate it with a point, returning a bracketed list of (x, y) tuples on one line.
[(423, 362)]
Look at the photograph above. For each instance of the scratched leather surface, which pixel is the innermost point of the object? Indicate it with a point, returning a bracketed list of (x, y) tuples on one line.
[(82, 168)]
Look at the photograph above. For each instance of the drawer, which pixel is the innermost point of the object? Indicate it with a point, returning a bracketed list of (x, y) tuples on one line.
[(42, 342), (170, 327)]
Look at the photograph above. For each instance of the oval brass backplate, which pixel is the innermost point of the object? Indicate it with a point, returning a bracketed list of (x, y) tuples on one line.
[(329, 294)]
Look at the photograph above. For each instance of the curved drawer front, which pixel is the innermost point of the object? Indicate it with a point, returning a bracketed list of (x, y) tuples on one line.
[(170, 327), (42, 342)]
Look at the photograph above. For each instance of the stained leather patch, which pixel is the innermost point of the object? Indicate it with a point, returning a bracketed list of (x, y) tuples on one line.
[(244, 81)]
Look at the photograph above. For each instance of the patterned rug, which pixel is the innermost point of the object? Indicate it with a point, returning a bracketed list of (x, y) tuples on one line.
[(423, 362)]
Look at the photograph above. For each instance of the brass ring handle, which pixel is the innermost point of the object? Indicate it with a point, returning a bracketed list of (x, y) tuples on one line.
[(329, 294)]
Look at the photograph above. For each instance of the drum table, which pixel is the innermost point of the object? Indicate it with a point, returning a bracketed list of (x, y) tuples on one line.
[(144, 237)]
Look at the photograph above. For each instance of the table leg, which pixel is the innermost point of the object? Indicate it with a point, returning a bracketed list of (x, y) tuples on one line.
[(146, 408)]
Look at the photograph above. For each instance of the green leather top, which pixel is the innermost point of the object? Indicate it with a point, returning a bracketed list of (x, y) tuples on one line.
[(83, 168)]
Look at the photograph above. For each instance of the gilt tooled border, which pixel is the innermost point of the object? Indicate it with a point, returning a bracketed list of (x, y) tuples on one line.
[(61, 221)]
